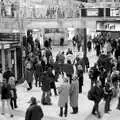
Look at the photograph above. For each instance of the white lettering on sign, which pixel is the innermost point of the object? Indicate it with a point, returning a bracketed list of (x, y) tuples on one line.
[(109, 26)]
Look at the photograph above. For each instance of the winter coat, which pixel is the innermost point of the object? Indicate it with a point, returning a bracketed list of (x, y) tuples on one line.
[(29, 75), (97, 93), (34, 112), (45, 82), (5, 91), (74, 91), (38, 70), (63, 91)]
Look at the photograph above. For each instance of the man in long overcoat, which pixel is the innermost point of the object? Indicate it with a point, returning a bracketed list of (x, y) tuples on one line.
[(74, 91)]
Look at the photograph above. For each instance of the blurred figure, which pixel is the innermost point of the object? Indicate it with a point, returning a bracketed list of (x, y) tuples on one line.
[(34, 112), (63, 92), (13, 100), (3, 9), (74, 91), (89, 45), (107, 96), (29, 74), (46, 100), (97, 93), (6, 96)]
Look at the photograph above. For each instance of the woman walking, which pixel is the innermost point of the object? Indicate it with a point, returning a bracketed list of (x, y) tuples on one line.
[(63, 91), (6, 96)]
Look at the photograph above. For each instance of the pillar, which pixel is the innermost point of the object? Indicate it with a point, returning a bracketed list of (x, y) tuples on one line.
[(3, 58), (9, 59), (15, 63), (85, 47)]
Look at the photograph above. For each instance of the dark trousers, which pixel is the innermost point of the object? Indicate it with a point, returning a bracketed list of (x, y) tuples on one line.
[(37, 80), (75, 109), (80, 81), (65, 110), (96, 108), (118, 106), (30, 85), (70, 77), (54, 88), (13, 103), (107, 104)]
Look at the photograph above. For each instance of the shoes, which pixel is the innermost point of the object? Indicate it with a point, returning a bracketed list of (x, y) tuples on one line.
[(94, 113), (65, 115), (106, 112), (2, 113), (60, 115), (28, 89), (99, 116), (118, 108), (16, 106), (11, 115), (73, 113)]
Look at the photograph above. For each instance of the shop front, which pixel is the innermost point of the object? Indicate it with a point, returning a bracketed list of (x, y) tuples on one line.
[(111, 28), (10, 55)]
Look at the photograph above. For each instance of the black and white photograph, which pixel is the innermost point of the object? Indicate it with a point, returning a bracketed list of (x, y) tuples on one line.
[(59, 59)]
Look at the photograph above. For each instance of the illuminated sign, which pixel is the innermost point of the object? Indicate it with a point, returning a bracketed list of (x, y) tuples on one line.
[(92, 12), (114, 12), (107, 26)]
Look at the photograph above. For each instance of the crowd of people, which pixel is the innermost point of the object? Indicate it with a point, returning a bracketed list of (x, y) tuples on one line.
[(6, 12), (40, 63)]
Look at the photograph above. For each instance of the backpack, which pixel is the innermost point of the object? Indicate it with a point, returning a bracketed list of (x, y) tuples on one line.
[(90, 95)]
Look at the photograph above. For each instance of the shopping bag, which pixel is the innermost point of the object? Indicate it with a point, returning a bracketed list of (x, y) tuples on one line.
[(25, 84)]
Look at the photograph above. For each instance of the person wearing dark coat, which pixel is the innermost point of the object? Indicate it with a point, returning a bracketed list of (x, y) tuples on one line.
[(107, 96), (52, 79), (93, 74), (7, 74), (117, 52), (45, 100), (97, 47), (34, 112), (38, 72), (89, 45), (6, 96), (80, 77), (97, 93), (29, 77)]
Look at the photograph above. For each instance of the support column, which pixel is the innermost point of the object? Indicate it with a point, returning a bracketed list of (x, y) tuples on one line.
[(3, 58), (85, 47), (15, 63), (9, 59)]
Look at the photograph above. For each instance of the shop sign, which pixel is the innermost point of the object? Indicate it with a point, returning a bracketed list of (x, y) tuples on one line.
[(9, 37), (107, 26), (114, 11), (92, 12)]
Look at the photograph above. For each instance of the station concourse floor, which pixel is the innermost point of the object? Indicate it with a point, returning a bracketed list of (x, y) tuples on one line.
[(52, 112)]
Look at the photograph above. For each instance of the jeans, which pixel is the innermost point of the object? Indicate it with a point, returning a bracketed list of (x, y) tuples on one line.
[(96, 108), (45, 100), (13, 103), (107, 104)]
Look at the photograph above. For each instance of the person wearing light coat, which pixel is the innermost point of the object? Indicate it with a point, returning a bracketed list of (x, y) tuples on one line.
[(63, 92), (74, 92)]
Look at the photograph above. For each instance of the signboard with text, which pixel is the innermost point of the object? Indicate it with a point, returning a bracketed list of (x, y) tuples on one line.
[(92, 12), (107, 26), (9, 37), (114, 11)]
